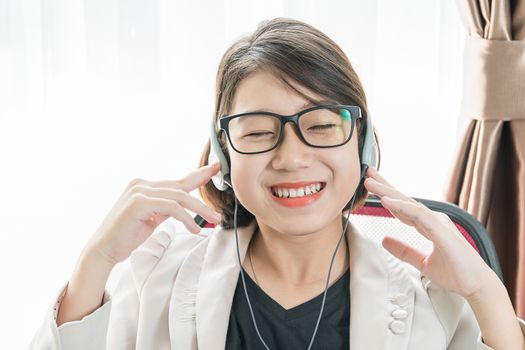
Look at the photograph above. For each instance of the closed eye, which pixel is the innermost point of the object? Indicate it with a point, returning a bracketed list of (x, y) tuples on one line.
[(258, 134), (322, 127)]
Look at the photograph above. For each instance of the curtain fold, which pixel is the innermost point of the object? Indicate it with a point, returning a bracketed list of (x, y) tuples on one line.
[(488, 174)]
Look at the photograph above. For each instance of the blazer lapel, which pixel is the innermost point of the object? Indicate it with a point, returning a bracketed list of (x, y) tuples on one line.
[(182, 304), (216, 286), (381, 296)]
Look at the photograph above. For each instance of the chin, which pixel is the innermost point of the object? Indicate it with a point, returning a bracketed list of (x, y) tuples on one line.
[(298, 225)]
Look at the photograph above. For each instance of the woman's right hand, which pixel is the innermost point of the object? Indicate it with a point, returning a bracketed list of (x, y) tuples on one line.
[(146, 204)]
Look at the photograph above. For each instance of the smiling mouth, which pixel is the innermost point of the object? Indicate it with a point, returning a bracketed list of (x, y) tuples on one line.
[(297, 192)]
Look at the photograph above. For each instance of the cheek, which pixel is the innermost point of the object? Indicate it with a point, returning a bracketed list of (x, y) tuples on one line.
[(347, 171), (245, 174), (347, 167)]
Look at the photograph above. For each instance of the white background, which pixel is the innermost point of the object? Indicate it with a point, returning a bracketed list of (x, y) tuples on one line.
[(95, 93)]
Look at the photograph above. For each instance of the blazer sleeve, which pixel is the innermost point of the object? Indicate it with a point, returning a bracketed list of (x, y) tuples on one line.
[(114, 324), (468, 331), (457, 318), (90, 332)]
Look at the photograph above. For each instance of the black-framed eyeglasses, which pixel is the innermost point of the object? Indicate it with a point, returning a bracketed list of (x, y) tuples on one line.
[(322, 126)]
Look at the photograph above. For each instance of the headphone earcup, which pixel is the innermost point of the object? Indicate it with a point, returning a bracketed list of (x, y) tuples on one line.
[(370, 152), (222, 179)]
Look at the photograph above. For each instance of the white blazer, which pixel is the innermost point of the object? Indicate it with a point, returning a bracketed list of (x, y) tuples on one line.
[(178, 292)]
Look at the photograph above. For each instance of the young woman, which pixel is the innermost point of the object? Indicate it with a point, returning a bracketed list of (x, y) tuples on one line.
[(292, 133)]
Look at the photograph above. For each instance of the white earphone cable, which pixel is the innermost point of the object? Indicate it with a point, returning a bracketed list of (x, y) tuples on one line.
[(327, 279)]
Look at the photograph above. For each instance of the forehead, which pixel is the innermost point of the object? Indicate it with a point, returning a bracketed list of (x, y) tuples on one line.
[(262, 90)]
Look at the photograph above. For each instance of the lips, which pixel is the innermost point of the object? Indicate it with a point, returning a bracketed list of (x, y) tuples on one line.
[(297, 194)]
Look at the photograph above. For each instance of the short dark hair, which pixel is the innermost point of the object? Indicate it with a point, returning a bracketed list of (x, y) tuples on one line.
[(291, 50)]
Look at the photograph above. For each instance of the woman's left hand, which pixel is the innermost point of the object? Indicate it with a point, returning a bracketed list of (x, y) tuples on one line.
[(453, 263)]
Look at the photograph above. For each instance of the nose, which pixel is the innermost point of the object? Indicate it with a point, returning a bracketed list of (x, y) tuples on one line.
[(292, 153)]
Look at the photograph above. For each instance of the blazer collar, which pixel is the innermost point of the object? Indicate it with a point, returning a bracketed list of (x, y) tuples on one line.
[(381, 296), (217, 283), (381, 292)]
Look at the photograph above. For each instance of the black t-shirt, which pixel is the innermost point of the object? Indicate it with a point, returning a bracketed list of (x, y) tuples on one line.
[(289, 329)]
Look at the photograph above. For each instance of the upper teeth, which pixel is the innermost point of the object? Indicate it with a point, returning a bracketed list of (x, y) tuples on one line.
[(296, 192)]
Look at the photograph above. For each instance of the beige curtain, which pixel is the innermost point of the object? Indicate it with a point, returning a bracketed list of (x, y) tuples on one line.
[(488, 174)]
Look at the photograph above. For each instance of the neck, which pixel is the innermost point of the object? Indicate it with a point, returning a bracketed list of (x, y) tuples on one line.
[(298, 259)]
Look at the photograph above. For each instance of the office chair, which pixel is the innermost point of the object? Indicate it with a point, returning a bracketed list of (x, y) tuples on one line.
[(375, 222)]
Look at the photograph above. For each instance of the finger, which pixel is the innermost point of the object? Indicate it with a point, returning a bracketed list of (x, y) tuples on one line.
[(404, 252), (380, 189), (380, 186), (188, 183), (184, 199), (162, 206), (373, 173), (157, 219), (198, 177), (400, 210), (420, 217)]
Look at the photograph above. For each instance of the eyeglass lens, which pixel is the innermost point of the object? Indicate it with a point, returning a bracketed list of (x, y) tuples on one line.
[(319, 127)]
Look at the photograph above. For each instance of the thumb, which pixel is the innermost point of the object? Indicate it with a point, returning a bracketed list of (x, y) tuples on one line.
[(404, 252)]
